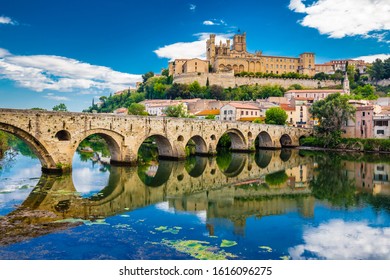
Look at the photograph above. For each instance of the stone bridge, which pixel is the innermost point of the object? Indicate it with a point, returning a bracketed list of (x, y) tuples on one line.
[(55, 136)]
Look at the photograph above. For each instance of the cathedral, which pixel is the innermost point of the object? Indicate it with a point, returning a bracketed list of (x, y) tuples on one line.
[(225, 57)]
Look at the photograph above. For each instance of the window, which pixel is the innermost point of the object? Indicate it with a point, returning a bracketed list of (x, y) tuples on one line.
[(251, 113), (381, 123), (363, 114), (363, 122), (242, 112), (225, 112), (380, 131), (247, 113)]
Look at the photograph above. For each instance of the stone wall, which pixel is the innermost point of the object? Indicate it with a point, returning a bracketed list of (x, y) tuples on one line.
[(229, 80)]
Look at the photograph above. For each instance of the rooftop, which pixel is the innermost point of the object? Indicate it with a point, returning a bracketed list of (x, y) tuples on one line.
[(243, 106)]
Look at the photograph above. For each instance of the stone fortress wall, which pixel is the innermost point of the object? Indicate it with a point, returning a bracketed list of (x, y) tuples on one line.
[(229, 80)]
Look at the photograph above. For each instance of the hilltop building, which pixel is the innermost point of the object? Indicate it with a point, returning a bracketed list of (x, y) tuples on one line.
[(332, 66), (224, 57)]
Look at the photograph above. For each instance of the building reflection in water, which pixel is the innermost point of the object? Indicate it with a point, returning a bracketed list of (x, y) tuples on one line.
[(230, 189)]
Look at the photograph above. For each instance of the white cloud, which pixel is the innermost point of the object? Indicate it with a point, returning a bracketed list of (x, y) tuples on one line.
[(214, 22), (3, 52), (297, 6), (208, 22), (7, 20), (371, 58), (339, 19), (192, 7), (194, 49), (56, 73), (52, 96), (340, 240)]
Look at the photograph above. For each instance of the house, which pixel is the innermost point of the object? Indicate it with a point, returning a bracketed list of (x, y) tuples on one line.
[(363, 125), (236, 111), (121, 111), (298, 113), (156, 107), (205, 113)]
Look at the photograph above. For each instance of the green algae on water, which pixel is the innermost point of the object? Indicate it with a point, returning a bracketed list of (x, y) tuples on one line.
[(228, 243), (161, 228), (85, 222), (198, 249), (266, 248)]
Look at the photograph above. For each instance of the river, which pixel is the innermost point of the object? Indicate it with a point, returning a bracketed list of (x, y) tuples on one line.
[(287, 204)]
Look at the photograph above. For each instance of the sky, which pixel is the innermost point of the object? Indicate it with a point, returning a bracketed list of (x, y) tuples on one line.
[(72, 52)]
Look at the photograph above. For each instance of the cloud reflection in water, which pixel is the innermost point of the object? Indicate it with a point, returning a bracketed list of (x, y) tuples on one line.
[(340, 240)]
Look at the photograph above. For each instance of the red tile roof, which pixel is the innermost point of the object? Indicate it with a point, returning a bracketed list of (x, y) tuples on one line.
[(208, 112)]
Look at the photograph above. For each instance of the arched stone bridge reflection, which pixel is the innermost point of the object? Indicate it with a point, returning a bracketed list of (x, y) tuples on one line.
[(55, 136), (235, 190)]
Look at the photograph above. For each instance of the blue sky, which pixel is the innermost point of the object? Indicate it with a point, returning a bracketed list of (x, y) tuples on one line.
[(70, 52)]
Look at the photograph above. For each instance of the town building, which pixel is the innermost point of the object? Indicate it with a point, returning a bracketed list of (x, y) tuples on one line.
[(314, 94), (206, 113), (194, 65), (362, 126), (332, 66), (381, 125), (227, 57), (156, 107), (121, 111), (236, 111)]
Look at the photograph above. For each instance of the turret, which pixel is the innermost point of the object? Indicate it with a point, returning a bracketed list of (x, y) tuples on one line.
[(210, 49), (346, 87), (239, 42)]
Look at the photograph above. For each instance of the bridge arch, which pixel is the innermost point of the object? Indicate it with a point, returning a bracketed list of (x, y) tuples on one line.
[(113, 139), (164, 146), (265, 140), (237, 139), (200, 144), (47, 161), (286, 141)]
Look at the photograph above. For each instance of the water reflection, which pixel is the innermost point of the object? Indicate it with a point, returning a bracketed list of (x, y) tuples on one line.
[(340, 240), (232, 192)]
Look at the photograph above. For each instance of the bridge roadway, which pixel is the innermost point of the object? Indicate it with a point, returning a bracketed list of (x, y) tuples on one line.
[(235, 193), (55, 136)]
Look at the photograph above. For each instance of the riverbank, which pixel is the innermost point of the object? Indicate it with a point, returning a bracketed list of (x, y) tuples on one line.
[(348, 145)]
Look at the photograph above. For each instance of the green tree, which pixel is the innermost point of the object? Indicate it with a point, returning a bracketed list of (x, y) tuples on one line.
[(38, 109), (217, 92), (275, 115), (332, 112), (137, 109), (165, 72), (365, 92), (377, 70), (210, 117), (176, 111), (195, 89), (386, 68), (60, 107), (147, 75)]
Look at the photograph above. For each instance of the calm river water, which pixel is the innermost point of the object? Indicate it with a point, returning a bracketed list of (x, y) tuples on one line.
[(286, 204)]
